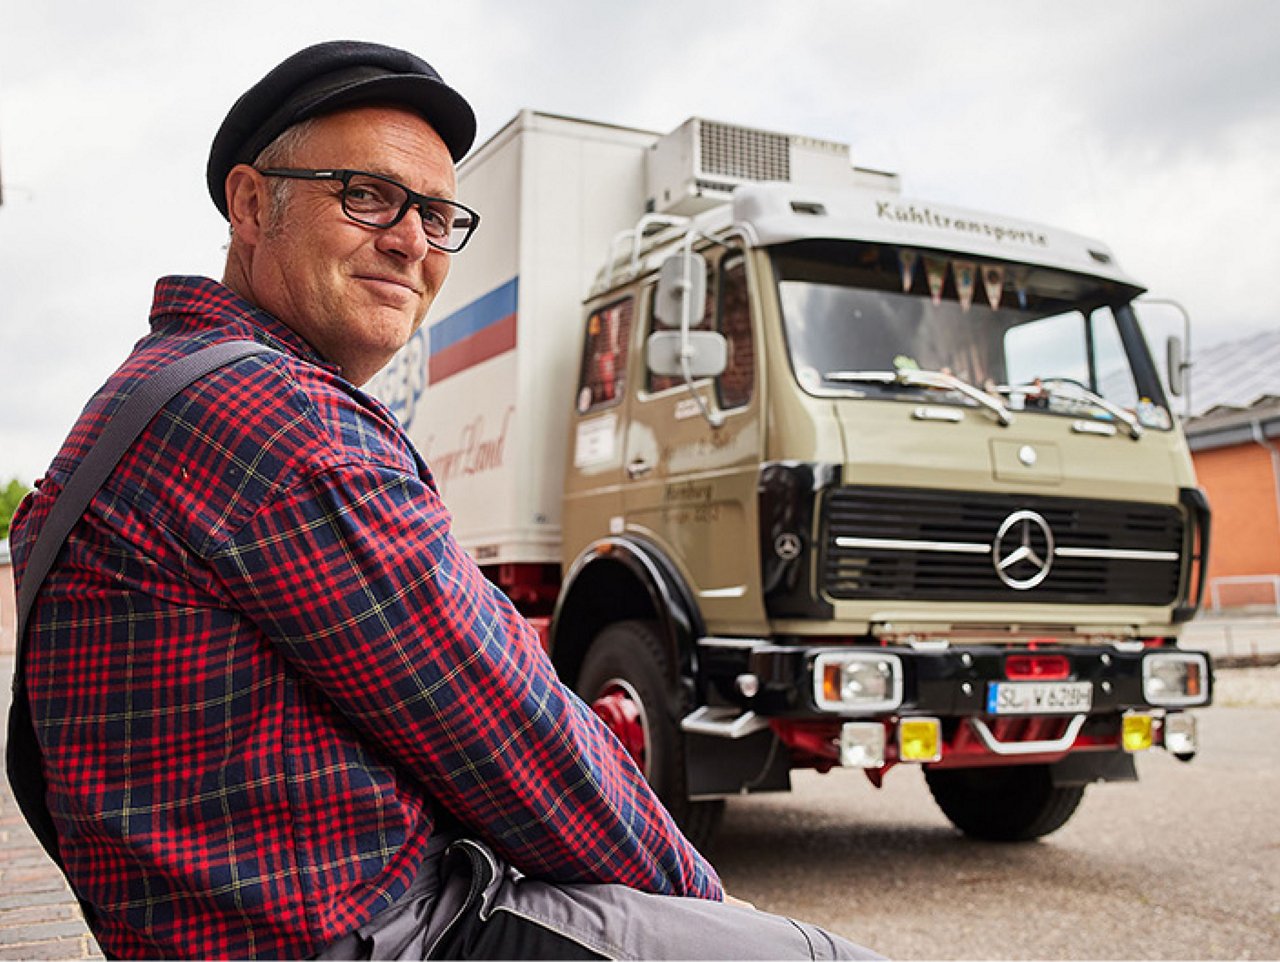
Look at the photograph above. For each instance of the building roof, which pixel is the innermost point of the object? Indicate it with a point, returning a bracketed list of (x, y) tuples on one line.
[(1236, 373), (1235, 392)]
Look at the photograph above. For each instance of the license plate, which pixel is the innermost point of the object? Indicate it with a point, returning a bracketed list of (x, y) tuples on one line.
[(1039, 697)]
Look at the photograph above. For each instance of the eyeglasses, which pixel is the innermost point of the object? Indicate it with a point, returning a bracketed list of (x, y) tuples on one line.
[(377, 201)]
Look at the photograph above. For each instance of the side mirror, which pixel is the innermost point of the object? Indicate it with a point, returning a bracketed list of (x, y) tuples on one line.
[(1176, 365), (707, 353), (682, 290)]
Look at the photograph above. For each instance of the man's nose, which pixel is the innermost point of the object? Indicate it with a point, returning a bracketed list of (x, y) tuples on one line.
[(406, 238)]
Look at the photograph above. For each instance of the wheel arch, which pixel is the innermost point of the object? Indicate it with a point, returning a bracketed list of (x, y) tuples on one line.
[(616, 579)]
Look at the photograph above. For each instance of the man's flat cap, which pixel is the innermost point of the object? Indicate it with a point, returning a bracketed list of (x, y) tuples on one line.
[(334, 76)]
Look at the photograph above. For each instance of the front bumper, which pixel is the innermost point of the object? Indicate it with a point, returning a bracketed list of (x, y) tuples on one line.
[(1114, 709), (947, 682)]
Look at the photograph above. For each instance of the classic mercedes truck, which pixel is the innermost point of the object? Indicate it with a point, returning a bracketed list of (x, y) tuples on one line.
[(792, 470)]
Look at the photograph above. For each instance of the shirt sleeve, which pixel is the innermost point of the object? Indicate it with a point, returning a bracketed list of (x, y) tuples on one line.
[(354, 576)]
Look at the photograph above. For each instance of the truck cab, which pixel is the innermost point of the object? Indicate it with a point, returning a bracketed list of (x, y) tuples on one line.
[(854, 479), (934, 510)]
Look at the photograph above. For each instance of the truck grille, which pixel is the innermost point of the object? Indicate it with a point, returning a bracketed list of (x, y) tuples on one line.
[(947, 546)]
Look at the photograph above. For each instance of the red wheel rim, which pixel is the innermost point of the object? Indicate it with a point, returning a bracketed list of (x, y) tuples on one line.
[(622, 712)]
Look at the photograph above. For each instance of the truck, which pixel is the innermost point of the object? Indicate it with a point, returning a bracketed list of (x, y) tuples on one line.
[(791, 470)]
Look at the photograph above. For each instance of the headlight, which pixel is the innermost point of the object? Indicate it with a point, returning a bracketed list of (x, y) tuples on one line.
[(857, 681), (1175, 678)]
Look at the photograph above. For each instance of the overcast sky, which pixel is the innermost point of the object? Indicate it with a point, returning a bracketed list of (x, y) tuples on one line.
[(1152, 124)]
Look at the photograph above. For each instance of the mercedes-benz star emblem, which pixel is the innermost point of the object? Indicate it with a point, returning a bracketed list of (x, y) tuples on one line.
[(1023, 550), (788, 546)]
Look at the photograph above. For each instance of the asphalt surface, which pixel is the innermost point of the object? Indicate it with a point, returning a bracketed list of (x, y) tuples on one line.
[(1183, 864)]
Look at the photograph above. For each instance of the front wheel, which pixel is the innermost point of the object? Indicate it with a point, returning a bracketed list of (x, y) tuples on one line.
[(1016, 803), (625, 681)]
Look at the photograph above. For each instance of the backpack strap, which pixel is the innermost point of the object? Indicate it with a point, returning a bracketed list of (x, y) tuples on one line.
[(23, 759)]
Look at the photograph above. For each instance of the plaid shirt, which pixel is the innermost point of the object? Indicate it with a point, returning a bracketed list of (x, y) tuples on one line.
[(263, 667)]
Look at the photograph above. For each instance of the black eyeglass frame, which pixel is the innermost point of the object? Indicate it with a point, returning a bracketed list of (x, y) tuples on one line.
[(412, 199)]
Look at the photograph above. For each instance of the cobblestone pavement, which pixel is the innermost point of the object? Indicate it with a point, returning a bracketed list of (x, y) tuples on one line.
[(39, 918)]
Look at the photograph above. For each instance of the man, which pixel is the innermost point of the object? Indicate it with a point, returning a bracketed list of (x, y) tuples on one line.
[(269, 689)]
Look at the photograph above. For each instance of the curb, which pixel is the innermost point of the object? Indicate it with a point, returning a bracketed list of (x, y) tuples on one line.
[(1247, 661)]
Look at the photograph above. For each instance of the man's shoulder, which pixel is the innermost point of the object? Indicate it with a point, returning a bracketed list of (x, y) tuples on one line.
[(240, 436), (348, 426), (294, 418)]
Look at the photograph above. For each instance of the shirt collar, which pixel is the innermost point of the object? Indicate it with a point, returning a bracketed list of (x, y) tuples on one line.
[(201, 304)]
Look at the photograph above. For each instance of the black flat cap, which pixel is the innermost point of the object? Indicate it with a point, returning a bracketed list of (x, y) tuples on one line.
[(328, 77)]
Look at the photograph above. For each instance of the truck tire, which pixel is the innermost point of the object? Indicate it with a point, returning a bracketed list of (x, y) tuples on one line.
[(625, 681), (1016, 803)]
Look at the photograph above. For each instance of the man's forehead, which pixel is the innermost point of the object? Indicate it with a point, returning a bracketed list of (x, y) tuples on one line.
[(382, 140)]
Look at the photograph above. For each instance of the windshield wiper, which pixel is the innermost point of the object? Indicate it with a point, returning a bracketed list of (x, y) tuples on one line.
[(937, 380), (1080, 393)]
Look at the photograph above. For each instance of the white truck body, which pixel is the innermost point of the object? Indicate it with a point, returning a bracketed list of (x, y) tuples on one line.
[(485, 384)]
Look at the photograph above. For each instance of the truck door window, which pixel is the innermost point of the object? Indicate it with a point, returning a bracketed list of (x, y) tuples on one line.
[(728, 307), (656, 383), (604, 356), (738, 380)]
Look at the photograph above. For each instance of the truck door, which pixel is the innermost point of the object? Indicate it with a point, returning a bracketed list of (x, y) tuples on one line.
[(690, 487), (593, 476)]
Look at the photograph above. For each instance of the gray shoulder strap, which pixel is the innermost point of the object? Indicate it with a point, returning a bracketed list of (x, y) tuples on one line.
[(143, 404), (23, 758)]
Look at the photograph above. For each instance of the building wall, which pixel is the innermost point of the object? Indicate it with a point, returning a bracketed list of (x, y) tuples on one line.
[(8, 613), (1241, 485)]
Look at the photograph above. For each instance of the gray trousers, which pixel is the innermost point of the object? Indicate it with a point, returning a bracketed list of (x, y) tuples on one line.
[(476, 907)]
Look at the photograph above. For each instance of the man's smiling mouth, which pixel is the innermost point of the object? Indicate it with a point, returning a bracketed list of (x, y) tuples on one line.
[(389, 281)]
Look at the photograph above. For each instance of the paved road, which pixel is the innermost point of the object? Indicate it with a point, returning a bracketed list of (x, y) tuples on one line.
[(1183, 864)]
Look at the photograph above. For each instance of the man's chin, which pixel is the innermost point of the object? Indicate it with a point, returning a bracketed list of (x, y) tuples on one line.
[(388, 324)]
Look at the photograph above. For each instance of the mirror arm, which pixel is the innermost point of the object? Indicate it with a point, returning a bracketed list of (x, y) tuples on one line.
[(714, 418), (638, 234)]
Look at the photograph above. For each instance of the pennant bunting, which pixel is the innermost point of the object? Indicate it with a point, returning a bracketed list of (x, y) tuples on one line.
[(935, 269), (907, 261), (1020, 276), (993, 283), (966, 275)]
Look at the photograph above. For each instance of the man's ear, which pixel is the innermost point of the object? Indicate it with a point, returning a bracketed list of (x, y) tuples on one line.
[(247, 202)]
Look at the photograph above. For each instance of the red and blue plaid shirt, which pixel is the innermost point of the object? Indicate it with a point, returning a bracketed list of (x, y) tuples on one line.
[(262, 668)]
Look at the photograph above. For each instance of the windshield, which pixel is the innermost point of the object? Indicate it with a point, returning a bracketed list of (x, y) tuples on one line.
[(873, 320)]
